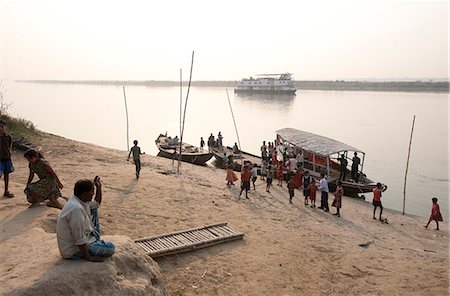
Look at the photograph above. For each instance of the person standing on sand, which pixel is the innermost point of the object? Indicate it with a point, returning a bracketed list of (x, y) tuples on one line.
[(48, 185), (306, 189), (312, 188), (263, 169), (323, 186), (136, 150), (337, 202), (291, 187), (280, 174), (435, 213), (269, 178), (231, 176), (74, 229), (254, 175), (245, 181), (376, 202), (6, 165)]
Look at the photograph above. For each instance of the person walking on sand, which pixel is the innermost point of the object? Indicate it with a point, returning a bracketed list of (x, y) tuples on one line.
[(136, 151), (263, 169), (269, 178), (6, 165), (435, 213), (323, 186), (245, 181), (291, 187), (74, 230), (48, 185), (312, 188), (231, 176), (254, 175), (376, 202), (337, 202)]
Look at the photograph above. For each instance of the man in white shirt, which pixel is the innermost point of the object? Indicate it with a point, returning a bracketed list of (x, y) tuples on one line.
[(323, 186), (77, 237)]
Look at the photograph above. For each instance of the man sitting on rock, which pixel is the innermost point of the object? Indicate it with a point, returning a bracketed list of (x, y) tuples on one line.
[(77, 237)]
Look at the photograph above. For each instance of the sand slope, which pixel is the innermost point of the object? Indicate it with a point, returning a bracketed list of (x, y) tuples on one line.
[(287, 249)]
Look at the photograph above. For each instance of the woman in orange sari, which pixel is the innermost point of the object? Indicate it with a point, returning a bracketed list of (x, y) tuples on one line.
[(231, 176)]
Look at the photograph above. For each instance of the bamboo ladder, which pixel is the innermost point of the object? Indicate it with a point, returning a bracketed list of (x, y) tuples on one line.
[(188, 240)]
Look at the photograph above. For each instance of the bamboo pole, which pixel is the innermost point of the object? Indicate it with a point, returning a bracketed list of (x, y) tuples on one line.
[(407, 165), (181, 111), (126, 112), (185, 106), (235, 127)]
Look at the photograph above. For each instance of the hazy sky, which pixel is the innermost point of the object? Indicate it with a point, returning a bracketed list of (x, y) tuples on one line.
[(152, 40)]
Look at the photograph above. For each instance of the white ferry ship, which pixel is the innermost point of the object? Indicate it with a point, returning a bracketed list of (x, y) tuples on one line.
[(267, 83)]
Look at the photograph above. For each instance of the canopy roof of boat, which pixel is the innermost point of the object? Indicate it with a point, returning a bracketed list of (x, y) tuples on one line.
[(311, 142)]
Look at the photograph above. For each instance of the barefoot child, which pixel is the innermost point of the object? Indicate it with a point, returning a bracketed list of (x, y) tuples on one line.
[(269, 178), (377, 200), (254, 175), (6, 166), (306, 191), (312, 188), (246, 175), (280, 174), (337, 202), (291, 186), (263, 169), (435, 213), (48, 185)]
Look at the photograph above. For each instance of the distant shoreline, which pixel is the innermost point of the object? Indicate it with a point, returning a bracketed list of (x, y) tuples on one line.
[(339, 85)]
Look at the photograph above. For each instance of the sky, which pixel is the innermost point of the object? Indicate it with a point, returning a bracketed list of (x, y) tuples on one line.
[(153, 40)]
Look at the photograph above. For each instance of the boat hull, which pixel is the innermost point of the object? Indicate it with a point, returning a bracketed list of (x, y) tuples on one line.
[(172, 152)]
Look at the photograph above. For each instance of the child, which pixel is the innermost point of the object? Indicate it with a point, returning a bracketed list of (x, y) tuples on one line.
[(291, 186), (136, 150), (245, 181), (231, 176), (254, 175), (337, 202), (48, 185), (280, 174), (312, 188), (377, 200), (306, 191), (435, 213), (263, 169), (269, 178), (6, 166)]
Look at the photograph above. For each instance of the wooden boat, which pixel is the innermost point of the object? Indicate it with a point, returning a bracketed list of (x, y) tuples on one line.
[(189, 153), (239, 158), (321, 155)]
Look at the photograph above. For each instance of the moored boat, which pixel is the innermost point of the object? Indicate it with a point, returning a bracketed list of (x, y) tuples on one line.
[(322, 154), (267, 83), (170, 148), (239, 158)]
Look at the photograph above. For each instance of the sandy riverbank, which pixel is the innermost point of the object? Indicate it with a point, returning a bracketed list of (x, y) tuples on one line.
[(287, 249)]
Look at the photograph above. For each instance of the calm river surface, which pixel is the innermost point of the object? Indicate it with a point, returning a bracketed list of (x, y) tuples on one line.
[(378, 123)]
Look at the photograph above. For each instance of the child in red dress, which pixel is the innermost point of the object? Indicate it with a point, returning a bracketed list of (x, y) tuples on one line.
[(435, 213), (312, 192), (280, 174)]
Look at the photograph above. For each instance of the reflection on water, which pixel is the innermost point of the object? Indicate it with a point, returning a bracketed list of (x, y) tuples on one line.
[(267, 97), (378, 123)]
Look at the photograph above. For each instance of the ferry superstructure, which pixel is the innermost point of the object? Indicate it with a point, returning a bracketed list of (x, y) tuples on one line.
[(267, 83)]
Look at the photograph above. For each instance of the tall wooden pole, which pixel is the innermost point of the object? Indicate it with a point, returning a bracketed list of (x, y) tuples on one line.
[(407, 164), (235, 126), (126, 112), (181, 111), (185, 104)]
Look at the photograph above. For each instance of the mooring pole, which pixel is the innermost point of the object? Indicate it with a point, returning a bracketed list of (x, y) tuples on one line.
[(407, 165)]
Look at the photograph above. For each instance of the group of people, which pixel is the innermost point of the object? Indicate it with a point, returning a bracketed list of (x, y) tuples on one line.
[(77, 227), (212, 142)]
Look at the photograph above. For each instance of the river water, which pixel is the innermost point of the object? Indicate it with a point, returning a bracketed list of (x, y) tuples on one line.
[(378, 123)]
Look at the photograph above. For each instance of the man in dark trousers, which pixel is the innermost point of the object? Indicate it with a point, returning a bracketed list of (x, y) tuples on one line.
[(343, 167), (355, 166)]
